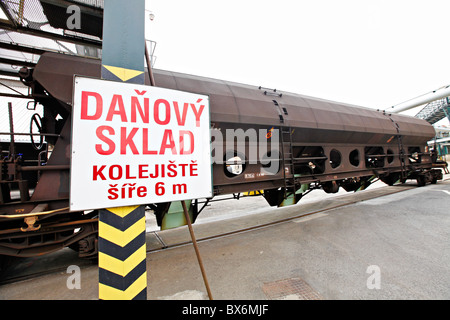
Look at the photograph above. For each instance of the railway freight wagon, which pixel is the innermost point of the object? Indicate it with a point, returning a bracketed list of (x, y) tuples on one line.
[(309, 144)]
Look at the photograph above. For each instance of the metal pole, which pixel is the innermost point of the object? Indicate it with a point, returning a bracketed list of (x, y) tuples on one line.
[(122, 248), (423, 99), (197, 251), (149, 66), (183, 203), (12, 148)]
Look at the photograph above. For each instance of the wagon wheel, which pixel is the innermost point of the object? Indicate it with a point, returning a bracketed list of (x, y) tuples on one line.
[(36, 121), (421, 180)]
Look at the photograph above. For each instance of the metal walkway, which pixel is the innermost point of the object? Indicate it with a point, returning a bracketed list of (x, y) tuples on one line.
[(435, 111)]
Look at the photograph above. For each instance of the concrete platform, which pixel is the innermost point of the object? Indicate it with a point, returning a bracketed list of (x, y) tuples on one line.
[(353, 246)]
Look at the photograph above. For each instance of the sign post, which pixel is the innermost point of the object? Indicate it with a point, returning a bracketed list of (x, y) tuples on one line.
[(133, 145), (122, 263)]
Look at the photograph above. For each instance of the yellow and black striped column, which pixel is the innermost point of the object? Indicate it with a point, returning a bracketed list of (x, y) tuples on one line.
[(122, 254), (122, 249)]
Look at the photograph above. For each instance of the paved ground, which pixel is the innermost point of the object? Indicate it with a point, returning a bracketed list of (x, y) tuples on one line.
[(392, 247)]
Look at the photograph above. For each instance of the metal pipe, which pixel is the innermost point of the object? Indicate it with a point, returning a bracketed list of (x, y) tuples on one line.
[(12, 89), (149, 66), (426, 98), (31, 134), (12, 95), (12, 149), (24, 215), (51, 35), (45, 168), (197, 251)]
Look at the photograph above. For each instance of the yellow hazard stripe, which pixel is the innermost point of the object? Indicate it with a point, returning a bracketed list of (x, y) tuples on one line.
[(110, 293), (121, 238), (122, 73), (120, 267), (122, 211)]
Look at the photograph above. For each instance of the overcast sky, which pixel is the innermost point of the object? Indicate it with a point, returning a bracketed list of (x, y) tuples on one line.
[(369, 53)]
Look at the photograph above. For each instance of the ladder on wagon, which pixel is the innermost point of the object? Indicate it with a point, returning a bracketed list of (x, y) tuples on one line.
[(401, 149), (287, 160)]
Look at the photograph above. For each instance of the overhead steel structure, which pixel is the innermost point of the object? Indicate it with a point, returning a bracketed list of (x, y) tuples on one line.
[(437, 105), (435, 111), (32, 27)]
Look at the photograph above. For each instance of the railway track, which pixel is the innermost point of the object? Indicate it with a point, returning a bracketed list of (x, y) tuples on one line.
[(230, 233), (161, 242), (165, 245), (47, 271)]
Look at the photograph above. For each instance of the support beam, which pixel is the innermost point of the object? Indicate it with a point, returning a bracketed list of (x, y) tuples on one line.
[(17, 62), (122, 248), (21, 48), (52, 36)]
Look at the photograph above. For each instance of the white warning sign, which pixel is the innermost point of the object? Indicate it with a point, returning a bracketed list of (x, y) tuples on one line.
[(135, 144)]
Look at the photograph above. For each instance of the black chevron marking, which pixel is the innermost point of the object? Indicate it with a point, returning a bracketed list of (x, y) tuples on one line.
[(141, 295), (106, 74), (118, 252), (122, 283), (124, 223)]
